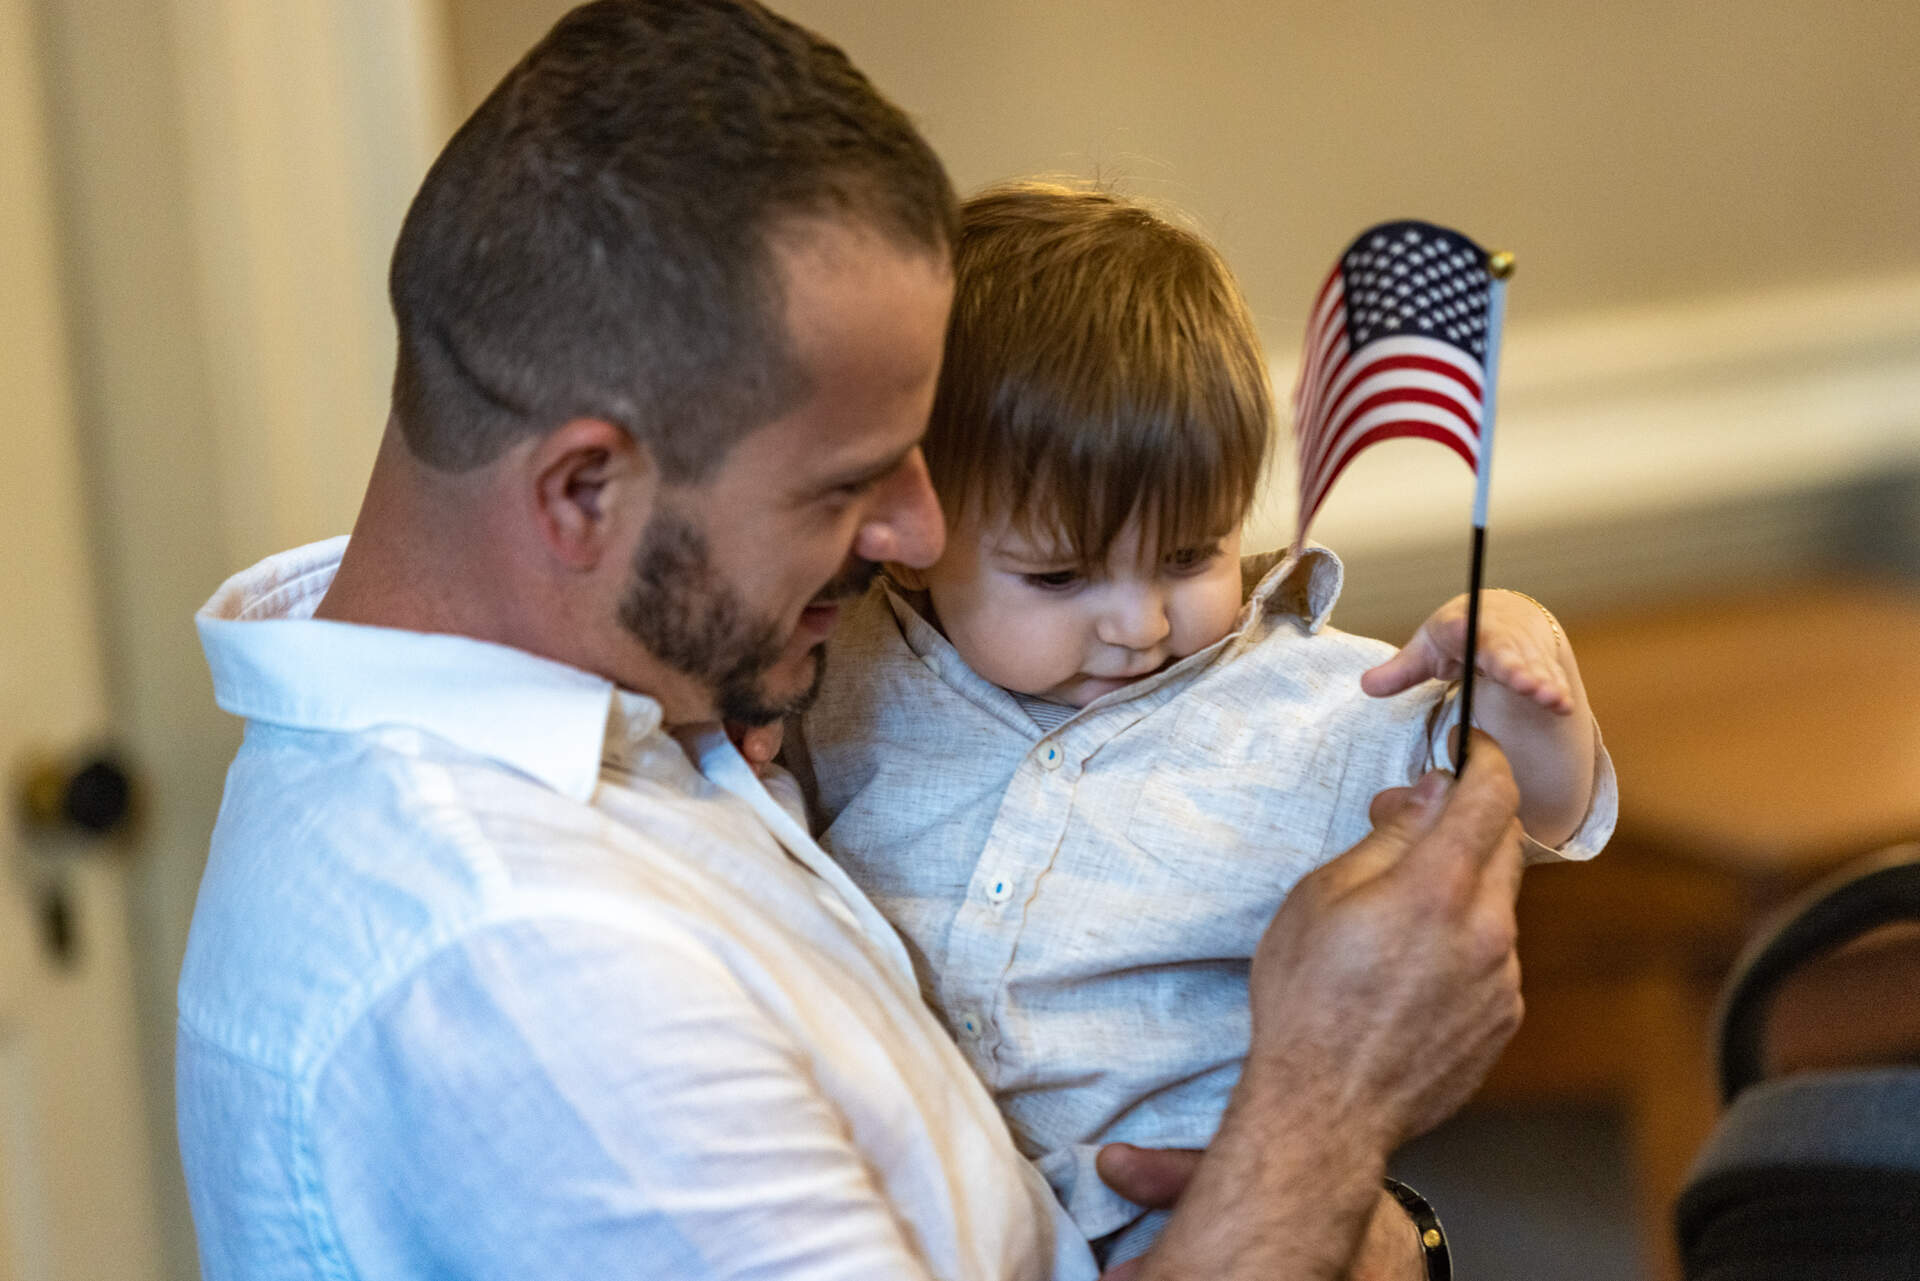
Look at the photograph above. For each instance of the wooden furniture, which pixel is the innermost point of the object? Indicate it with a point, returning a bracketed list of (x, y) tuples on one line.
[(1761, 739)]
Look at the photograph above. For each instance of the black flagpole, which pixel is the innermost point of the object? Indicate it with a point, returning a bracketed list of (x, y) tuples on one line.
[(1499, 268), (1473, 639)]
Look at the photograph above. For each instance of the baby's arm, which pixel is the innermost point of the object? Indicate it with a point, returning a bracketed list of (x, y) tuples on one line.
[(1532, 700)]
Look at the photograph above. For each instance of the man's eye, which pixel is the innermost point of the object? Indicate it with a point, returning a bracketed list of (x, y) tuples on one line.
[(854, 489), (1057, 580)]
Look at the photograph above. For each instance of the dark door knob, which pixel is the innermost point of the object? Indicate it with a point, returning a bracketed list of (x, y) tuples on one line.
[(91, 794)]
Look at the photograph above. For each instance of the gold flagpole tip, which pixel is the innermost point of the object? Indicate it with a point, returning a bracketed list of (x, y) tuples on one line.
[(1500, 265)]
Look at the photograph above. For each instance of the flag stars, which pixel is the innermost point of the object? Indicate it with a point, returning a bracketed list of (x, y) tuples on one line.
[(1415, 281)]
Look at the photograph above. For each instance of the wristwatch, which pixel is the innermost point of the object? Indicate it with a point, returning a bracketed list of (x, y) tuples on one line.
[(1433, 1237)]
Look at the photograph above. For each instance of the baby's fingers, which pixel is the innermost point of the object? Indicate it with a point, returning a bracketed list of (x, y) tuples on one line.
[(1407, 668), (1521, 667), (758, 743)]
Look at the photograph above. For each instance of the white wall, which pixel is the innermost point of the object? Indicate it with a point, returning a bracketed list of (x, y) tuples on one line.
[(1632, 151), (1713, 205)]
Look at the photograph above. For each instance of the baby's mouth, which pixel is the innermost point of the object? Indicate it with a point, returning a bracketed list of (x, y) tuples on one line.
[(1129, 678)]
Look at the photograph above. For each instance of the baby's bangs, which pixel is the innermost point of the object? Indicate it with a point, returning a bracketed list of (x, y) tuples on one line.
[(1081, 490)]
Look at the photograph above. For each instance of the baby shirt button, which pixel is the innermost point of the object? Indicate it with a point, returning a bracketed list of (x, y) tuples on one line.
[(999, 889), (1051, 756), (970, 1022)]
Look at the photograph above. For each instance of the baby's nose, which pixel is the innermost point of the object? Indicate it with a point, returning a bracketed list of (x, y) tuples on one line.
[(1135, 620)]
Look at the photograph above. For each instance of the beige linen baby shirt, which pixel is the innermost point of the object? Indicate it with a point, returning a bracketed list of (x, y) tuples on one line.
[(1081, 904)]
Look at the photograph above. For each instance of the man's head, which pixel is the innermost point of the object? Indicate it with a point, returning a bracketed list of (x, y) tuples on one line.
[(1102, 419), (597, 239), (636, 260)]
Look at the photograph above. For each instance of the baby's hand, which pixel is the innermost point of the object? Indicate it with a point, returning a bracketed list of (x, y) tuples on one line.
[(759, 744), (1520, 648)]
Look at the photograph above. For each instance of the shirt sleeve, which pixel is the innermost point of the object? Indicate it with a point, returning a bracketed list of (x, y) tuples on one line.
[(566, 1100), (1596, 827)]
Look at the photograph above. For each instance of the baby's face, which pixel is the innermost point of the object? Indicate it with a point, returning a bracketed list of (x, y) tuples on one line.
[(1024, 616)]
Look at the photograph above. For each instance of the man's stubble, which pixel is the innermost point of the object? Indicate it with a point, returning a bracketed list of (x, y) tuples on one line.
[(689, 617)]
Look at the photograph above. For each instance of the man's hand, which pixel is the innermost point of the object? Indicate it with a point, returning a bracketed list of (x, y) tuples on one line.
[(1389, 976), (1155, 1178), (1381, 995)]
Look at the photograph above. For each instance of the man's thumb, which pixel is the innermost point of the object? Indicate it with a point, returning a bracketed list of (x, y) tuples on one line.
[(1402, 815)]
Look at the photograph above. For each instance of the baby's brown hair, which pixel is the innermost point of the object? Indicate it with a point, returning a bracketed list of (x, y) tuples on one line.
[(1100, 366)]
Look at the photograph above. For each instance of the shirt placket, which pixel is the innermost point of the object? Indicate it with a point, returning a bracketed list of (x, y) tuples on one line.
[(1026, 833)]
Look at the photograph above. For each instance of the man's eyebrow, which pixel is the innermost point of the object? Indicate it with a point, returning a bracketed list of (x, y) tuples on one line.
[(865, 472)]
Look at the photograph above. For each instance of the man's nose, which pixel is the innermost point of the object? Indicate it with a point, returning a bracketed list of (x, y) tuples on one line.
[(1134, 617), (905, 525)]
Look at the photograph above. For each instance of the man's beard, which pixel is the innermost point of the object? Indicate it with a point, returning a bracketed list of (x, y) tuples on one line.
[(694, 621)]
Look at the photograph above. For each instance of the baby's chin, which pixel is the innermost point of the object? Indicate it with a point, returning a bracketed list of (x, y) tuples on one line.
[(1080, 690)]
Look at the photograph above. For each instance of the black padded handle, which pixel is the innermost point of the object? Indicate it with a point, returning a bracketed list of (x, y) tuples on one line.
[(1876, 891)]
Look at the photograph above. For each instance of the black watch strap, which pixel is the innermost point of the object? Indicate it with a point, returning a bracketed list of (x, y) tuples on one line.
[(1433, 1237)]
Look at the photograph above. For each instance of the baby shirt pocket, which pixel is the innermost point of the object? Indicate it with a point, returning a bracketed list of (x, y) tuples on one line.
[(1234, 806)]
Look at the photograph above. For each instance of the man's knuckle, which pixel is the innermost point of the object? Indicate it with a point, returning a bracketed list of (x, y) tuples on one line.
[(1494, 936), (1506, 1018)]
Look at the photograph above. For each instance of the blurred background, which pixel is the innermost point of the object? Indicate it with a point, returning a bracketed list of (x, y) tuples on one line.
[(1708, 463)]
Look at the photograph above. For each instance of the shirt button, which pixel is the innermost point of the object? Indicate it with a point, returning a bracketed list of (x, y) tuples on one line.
[(1000, 889), (1051, 756), (970, 1022)]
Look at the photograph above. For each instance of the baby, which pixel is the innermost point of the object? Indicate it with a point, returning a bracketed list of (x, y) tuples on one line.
[(1080, 760)]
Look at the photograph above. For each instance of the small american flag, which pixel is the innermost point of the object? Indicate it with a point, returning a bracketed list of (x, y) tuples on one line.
[(1396, 346)]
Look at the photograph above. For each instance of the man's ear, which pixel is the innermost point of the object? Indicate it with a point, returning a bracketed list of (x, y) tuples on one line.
[(591, 482)]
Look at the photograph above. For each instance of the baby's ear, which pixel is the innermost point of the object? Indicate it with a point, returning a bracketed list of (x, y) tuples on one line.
[(912, 579)]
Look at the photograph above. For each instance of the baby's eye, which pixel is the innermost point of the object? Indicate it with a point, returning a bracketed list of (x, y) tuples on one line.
[(1056, 580), (1190, 560)]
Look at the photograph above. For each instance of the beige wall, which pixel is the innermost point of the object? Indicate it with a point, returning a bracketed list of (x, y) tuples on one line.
[(1632, 151)]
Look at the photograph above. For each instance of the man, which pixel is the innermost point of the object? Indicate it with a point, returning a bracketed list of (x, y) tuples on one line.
[(505, 964)]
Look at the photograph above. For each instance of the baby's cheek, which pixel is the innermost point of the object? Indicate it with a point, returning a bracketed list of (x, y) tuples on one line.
[(1021, 650), (1211, 618)]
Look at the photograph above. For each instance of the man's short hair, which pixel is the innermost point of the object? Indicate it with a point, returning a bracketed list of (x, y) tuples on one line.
[(1101, 367), (596, 240)]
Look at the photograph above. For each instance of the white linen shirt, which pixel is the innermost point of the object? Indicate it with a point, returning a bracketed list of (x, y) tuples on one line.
[(1082, 901), (487, 979)]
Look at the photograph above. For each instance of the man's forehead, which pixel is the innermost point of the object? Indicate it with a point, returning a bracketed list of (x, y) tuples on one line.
[(838, 275)]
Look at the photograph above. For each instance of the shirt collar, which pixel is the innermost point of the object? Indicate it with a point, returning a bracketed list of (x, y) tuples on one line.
[(272, 661), (1282, 584)]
